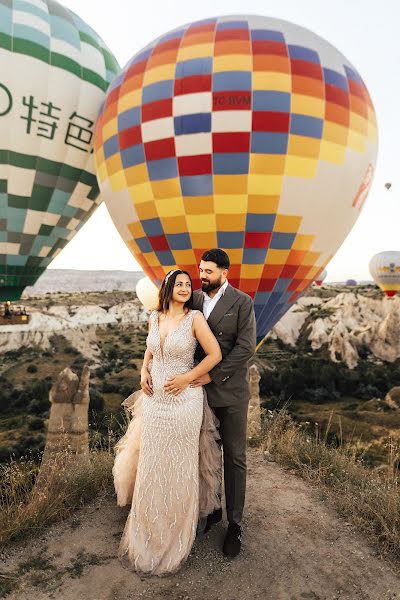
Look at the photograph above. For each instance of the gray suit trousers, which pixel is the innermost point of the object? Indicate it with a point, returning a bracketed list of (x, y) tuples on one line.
[(233, 429)]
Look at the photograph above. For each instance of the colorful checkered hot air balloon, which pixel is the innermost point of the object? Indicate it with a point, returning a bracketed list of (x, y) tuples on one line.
[(53, 77), (385, 271), (246, 133)]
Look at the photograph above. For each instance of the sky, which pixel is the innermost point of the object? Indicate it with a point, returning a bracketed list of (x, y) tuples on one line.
[(365, 31)]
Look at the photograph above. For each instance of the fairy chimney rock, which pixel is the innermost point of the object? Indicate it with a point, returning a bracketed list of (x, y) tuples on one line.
[(254, 413), (68, 426)]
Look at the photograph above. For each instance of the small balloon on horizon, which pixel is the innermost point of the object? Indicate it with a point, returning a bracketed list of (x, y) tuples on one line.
[(321, 278), (385, 271)]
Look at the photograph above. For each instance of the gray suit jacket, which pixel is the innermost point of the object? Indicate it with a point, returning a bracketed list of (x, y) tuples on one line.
[(233, 323)]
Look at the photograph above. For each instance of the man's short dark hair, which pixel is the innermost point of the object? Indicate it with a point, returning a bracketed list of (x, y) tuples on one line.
[(218, 256)]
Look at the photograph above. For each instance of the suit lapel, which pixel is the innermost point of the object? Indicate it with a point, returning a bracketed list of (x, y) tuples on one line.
[(198, 300), (222, 306)]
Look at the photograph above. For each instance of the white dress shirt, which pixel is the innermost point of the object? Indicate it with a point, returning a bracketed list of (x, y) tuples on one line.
[(209, 303)]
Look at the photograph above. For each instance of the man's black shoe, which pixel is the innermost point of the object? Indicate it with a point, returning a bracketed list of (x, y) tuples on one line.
[(212, 518), (233, 540)]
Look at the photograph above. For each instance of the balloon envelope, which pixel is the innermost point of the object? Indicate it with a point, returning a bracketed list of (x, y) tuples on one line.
[(246, 133), (321, 277), (351, 282), (385, 271), (147, 293), (54, 71)]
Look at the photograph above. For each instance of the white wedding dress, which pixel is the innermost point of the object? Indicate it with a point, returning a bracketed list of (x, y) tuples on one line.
[(168, 463)]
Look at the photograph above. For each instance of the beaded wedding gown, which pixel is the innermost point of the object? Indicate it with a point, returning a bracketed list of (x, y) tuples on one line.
[(168, 463)]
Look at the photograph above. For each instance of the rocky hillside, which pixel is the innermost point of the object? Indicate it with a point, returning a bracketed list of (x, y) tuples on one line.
[(351, 325), (336, 351), (73, 280), (76, 321)]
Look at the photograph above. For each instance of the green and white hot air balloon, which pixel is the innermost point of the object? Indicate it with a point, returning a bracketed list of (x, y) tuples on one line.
[(54, 72)]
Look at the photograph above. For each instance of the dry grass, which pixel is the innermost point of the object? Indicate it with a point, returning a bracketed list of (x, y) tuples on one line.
[(29, 503), (26, 508), (370, 499)]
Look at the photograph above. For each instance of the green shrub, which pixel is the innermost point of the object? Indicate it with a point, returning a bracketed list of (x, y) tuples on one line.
[(71, 350), (96, 403), (36, 424), (112, 353), (100, 373), (108, 387)]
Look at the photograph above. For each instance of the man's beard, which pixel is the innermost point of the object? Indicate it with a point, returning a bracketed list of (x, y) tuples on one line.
[(209, 286)]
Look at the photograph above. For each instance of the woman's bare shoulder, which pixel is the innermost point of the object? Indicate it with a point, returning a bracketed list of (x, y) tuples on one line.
[(199, 319)]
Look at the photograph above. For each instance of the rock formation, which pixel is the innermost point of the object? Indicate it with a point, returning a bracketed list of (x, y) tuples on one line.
[(392, 398), (78, 324), (68, 425), (74, 280), (289, 327), (346, 324), (254, 412), (68, 422)]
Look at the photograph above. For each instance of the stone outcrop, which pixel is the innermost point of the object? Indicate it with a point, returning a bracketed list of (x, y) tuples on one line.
[(289, 327), (74, 280), (83, 338), (78, 324), (254, 412), (67, 438), (346, 324), (129, 312), (68, 422), (392, 398)]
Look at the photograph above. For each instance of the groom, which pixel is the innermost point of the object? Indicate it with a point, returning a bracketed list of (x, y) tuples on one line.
[(230, 315)]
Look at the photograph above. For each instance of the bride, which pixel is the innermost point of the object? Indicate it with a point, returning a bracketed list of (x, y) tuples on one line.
[(168, 463)]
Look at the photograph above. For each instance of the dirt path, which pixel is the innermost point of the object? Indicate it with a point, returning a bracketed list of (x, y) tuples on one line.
[(295, 547)]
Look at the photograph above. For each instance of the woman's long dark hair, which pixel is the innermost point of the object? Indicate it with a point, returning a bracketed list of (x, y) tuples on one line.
[(167, 289)]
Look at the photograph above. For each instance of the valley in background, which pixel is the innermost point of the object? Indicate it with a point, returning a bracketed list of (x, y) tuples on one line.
[(331, 361)]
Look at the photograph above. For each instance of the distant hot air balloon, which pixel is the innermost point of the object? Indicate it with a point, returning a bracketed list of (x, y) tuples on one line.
[(351, 282), (53, 77), (388, 185), (385, 271), (247, 133), (321, 278), (147, 293)]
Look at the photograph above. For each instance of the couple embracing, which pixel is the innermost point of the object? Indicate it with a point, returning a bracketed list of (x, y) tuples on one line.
[(193, 400)]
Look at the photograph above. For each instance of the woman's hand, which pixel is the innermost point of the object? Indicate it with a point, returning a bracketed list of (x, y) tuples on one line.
[(145, 381), (176, 385), (202, 380)]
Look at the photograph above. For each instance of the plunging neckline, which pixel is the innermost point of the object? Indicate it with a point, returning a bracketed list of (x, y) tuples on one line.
[(162, 346)]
